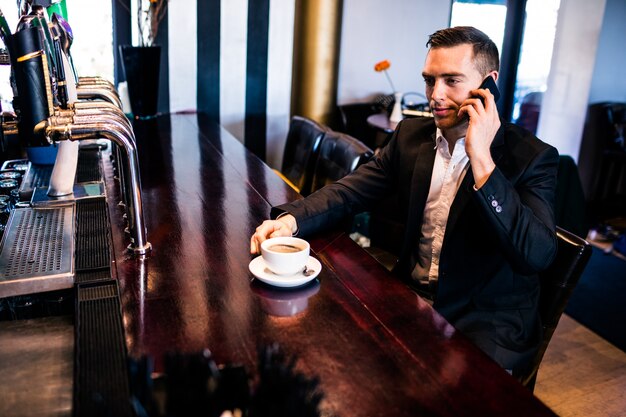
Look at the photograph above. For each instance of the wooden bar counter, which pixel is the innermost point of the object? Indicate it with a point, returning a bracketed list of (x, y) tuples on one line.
[(377, 348)]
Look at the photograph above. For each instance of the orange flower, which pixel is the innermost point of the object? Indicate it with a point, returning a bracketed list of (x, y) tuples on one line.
[(382, 65)]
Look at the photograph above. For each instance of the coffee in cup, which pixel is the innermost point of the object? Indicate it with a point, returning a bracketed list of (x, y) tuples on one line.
[(285, 255)]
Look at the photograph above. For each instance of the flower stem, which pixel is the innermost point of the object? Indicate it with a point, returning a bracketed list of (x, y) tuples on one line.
[(393, 89)]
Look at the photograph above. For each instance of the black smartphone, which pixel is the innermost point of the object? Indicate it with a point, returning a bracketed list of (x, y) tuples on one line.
[(490, 83)]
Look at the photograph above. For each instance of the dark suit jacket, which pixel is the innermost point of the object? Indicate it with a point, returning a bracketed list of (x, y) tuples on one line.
[(496, 239)]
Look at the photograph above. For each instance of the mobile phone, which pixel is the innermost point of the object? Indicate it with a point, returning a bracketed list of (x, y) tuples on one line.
[(490, 83)]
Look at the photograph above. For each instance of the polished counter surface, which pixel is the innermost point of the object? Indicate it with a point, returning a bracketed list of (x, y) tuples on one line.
[(36, 358), (377, 347)]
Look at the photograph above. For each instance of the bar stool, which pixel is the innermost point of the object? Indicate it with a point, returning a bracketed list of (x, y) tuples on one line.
[(300, 153), (339, 155)]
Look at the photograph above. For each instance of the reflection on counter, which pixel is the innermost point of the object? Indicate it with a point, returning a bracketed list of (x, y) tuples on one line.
[(194, 384), (284, 302)]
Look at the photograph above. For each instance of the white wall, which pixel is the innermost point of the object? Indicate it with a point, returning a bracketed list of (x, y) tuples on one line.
[(565, 102), (608, 82), (280, 51), (233, 48), (395, 30), (182, 63)]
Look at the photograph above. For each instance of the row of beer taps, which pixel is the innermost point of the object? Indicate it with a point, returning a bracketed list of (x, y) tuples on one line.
[(52, 104)]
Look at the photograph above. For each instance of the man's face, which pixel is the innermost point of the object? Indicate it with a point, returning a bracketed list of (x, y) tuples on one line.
[(450, 74)]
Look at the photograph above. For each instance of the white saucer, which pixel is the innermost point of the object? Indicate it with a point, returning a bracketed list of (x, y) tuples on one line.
[(259, 270)]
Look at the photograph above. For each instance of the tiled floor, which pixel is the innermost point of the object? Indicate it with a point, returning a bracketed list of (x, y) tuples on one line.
[(582, 375)]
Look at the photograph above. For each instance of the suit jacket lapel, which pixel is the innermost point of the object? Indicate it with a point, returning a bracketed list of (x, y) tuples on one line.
[(420, 185)]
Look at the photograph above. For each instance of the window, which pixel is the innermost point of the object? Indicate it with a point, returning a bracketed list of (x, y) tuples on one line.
[(486, 15), (92, 25), (530, 64), (534, 61)]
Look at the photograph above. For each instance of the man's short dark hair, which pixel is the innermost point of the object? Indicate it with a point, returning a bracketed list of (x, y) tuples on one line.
[(485, 51)]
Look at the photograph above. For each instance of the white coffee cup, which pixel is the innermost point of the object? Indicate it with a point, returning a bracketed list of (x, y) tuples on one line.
[(285, 255)]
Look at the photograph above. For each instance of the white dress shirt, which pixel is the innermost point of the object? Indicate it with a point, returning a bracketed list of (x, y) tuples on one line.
[(448, 172)]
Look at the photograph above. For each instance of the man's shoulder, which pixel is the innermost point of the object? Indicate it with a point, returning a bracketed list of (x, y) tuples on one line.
[(416, 128), (519, 138), (418, 123)]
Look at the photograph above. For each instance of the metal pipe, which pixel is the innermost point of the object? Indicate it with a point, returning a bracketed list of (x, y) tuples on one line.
[(56, 130), (94, 114), (107, 108), (95, 79), (90, 93), (97, 105), (89, 117), (104, 108), (9, 127), (104, 86), (98, 112), (121, 123)]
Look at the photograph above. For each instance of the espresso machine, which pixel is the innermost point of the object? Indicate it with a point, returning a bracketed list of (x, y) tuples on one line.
[(56, 107)]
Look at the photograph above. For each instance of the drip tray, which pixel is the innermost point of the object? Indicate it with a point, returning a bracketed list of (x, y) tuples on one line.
[(83, 190), (37, 251)]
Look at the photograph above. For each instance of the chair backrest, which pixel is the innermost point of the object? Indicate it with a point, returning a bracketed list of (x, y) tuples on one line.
[(339, 155), (354, 121), (557, 284), (301, 149), (569, 204), (601, 135)]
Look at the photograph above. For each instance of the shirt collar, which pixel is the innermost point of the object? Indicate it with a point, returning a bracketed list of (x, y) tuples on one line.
[(439, 137)]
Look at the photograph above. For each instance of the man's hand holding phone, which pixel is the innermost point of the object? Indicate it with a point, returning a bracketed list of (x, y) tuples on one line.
[(484, 122)]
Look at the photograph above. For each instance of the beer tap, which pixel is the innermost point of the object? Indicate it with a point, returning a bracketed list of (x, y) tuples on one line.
[(67, 38), (57, 128), (85, 90), (42, 121), (62, 91), (99, 90)]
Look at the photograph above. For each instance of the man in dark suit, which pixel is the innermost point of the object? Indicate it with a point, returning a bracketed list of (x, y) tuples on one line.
[(477, 194)]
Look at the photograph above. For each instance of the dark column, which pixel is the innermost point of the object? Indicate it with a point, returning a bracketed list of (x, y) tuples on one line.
[(121, 35), (256, 77), (511, 47), (208, 96)]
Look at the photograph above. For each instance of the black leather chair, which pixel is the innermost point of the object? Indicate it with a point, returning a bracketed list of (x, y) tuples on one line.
[(339, 155), (557, 284), (602, 161), (300, 154), (354, 121), (569, 206)]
